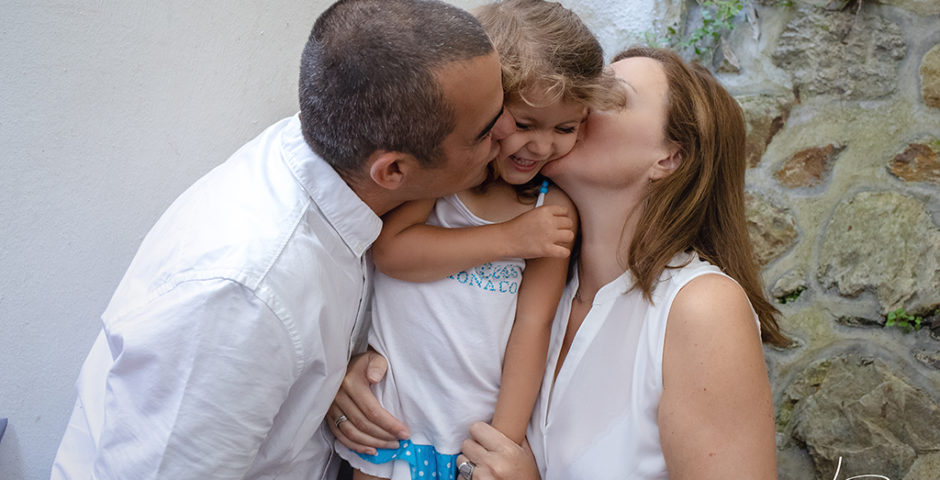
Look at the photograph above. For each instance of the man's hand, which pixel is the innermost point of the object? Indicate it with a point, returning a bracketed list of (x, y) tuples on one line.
[(367, 425), (546, 231)]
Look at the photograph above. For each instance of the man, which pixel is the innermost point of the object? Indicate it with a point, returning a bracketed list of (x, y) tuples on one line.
[(227, 339)]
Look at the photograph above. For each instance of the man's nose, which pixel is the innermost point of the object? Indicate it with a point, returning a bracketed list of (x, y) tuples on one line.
[(505, 126)]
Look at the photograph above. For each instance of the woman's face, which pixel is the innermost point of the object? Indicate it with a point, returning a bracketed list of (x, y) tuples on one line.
[(619, 149)]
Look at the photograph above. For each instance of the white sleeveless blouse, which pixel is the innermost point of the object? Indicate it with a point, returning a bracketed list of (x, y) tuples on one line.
[(598, 420)]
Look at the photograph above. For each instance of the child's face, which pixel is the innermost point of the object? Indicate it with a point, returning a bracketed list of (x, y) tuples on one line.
[(542, 134)]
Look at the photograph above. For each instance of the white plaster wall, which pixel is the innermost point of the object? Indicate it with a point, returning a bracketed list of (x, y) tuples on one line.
[(108, 110), (618, 23)]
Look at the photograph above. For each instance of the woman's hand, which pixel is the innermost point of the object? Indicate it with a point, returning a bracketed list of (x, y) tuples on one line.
[(496, 457), (356, 418)]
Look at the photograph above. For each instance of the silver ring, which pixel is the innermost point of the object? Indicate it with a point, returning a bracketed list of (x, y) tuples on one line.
[(340, 419), (465, 469)]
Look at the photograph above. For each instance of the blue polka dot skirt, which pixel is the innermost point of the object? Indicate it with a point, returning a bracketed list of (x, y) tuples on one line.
[(426, 463)]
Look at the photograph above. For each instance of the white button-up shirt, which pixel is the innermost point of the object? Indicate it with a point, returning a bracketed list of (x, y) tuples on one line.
[(229, 335)]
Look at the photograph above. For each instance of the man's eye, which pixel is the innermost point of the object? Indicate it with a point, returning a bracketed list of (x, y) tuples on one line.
[(486, 136)]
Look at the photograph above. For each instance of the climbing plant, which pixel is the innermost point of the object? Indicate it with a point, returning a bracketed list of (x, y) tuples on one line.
[(718, 18), (903, 320)]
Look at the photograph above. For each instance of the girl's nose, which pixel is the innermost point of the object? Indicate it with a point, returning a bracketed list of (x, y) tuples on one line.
[(541, 145)]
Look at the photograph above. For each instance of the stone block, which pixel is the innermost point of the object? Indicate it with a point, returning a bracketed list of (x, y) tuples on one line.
[(930, 77), (791, 284), (772, 229), (930, 359), (856, 321), (919, 162), (764, 115), (809, 167), (926, 467), (884, 243), (854, 56), (863, 411), (922, 7)]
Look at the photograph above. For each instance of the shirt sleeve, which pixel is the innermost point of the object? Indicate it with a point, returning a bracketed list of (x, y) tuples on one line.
[(199, 375)]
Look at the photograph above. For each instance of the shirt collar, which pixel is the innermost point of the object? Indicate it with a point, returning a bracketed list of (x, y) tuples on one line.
[(356, 223)]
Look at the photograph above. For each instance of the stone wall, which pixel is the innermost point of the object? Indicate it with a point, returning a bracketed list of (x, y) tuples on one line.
[(842, 101)]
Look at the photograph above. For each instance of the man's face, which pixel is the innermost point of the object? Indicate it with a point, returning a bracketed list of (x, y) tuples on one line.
[(473, 88)]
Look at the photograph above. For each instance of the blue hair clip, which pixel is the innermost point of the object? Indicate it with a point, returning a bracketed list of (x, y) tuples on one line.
[(542, 191)]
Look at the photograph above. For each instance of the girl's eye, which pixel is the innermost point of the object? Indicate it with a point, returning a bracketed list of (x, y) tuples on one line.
[(521, 126), (567, 130)]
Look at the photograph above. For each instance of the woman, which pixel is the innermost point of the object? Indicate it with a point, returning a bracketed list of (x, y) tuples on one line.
[(655, 365)]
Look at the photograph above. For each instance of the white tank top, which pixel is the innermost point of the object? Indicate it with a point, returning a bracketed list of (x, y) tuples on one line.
[(598, 419), (445, 341)]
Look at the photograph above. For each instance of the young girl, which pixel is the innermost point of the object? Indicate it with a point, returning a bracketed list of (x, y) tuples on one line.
[(455, 354)]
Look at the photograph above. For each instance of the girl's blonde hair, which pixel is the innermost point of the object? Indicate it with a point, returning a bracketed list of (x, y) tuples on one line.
[(544, 45)]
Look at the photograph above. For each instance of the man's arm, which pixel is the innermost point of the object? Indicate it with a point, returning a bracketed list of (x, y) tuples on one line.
[(199, 375), (369, 425)]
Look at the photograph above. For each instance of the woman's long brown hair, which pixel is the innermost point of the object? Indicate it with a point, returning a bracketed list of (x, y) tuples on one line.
[(700, 206)]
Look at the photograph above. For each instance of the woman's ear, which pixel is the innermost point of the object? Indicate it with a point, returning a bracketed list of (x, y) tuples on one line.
[(389, 169), (666, 165)]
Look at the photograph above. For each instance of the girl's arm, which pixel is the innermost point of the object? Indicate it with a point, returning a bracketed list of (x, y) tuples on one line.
[(716, 416), (410, 250), (542, 283)]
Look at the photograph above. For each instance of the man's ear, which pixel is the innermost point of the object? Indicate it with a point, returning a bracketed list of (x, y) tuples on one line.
[(666, 165), (389, 169)]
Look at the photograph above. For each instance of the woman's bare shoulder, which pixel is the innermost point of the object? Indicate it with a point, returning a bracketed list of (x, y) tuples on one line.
[(712, 301)]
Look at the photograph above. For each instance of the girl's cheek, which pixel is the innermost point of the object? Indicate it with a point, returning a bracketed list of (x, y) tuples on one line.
[(510, 145), (568, 144)]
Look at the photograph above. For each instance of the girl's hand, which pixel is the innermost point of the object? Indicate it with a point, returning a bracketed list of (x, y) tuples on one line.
[(546, 231), (496, 457), (356, 417)]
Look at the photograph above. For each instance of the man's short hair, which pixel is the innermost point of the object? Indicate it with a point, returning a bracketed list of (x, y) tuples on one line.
[(367, 78)]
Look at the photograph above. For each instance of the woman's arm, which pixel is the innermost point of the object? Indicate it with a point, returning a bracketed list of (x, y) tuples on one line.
[(524, 365), (496, 457), (409, 249), (716, 412)]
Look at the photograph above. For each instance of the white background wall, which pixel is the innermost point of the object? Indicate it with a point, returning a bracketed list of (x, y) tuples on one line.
[(109, 110)]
